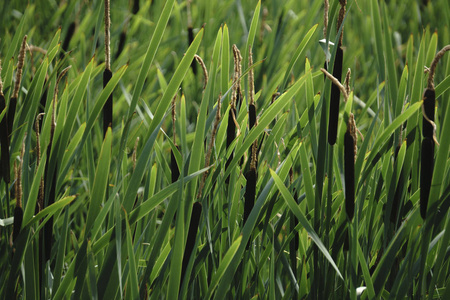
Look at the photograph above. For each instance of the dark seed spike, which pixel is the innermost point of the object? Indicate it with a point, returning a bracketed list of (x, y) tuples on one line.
[(68, 37), (192, 235), (334, 98), (250, 192), (426, 174), (231, 135), (135, 9), (174, 166), (18, 218), (349, 172), (429, 102), (4, 142), (251, 115), (108, 108)]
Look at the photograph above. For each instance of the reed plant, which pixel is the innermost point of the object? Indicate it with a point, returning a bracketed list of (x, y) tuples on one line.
[(234, 178)]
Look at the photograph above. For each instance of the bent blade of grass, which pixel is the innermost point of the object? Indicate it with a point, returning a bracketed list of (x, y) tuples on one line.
[(99, 187), (50, 210), (31, 203), (302, 219)]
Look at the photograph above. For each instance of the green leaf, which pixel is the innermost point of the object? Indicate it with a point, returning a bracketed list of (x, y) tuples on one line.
[(302, 219), (100, 182)]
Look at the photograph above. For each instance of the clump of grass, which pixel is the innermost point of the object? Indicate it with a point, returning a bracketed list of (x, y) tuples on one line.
[(107, 73), (4, 139), (429, 135), (15, 94)]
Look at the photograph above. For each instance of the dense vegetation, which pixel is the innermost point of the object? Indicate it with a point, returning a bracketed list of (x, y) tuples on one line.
[(188, 149)]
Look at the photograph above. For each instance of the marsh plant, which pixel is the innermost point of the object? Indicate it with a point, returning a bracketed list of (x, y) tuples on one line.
[(203, 149)]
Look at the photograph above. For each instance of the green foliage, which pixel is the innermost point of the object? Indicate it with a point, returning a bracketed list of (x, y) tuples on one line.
[(120, 225)]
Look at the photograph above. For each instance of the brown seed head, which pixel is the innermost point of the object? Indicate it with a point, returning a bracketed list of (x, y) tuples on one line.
[(107, 36), (205, 71), (325, 17), (20, 67), (251, 77)]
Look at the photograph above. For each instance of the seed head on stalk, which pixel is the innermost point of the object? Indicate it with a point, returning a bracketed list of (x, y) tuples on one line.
[(15, 94), (4, 136), (429, 135)]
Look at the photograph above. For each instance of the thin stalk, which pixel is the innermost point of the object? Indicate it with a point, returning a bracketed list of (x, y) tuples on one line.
[(107, 73), (15, 94)]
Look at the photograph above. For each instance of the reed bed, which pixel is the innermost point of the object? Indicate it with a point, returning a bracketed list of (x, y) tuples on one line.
[(242, 177)]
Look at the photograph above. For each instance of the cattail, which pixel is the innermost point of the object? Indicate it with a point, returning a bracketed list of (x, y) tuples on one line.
[(18, 211), (251, 175), (347, 81), (337, 73), (334, 98), (235, 98), (4, 140), (15, 95), (349, 166), (192, 235), (135, 9), (107, 74), (426, 174), (429, 135), (326, 7), (341, 19)]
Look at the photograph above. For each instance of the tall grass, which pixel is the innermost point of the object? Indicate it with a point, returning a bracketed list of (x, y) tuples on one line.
[(238, 198)]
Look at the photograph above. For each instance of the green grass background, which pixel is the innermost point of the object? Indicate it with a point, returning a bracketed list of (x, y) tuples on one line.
[(120, 231)]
